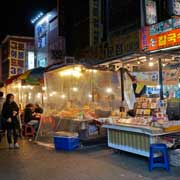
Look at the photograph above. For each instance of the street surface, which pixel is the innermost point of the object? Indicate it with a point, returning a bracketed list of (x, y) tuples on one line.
[(34, 162)]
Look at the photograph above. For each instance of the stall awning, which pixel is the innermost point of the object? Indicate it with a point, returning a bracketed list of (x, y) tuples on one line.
[(11, 79), (33, 76)]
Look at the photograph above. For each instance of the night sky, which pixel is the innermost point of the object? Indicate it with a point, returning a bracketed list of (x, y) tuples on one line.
[(15, 15)]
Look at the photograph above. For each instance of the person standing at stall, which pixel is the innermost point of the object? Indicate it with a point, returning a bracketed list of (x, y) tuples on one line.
[(10, 112)]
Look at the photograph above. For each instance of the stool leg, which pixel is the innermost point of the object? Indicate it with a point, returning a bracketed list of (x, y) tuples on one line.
[(151, 160), (166, 160)]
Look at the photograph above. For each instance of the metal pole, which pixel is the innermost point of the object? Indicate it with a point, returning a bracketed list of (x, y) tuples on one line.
[(122, 83), (161, 79)]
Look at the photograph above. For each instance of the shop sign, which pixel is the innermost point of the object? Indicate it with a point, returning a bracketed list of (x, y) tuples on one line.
[(176, 23), (160, 41), (16, 57), (161, 27), (164, 26), (151, 13), (175, 7)]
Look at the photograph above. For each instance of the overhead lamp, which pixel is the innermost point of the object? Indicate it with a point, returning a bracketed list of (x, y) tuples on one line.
[(109, 90), (63, 96), (75, 89), (151, 64)]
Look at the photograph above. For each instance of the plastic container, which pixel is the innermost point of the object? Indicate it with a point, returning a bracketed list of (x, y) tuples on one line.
[(66, 143)]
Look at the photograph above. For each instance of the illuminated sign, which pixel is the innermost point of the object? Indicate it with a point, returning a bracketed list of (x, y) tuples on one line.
[(151, 14), (30, 60), (159, 41), (17, 58)]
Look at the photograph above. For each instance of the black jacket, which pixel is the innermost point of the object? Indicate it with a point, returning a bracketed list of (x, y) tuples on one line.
[(28, 115), (7, 112)]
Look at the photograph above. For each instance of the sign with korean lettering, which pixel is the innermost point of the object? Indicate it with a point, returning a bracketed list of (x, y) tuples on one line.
[(17, 58), (159, 41)]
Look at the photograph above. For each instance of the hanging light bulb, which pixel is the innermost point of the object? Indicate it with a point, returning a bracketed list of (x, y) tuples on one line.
[(109, 90), (151, 64)]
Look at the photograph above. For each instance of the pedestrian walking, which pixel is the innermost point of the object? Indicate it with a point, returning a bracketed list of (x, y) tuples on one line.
[(10, 112)]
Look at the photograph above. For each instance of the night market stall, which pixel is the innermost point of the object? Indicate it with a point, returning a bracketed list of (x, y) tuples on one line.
[(79, 100), (151, 105), (27, 87)]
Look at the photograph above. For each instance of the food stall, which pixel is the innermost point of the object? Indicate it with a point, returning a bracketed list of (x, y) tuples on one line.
[(82, 98), (144, 119)]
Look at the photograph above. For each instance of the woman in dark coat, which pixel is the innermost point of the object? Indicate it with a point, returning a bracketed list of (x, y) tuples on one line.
[(10, 112)]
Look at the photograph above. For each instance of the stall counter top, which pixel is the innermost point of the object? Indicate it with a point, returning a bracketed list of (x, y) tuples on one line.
[(151, 131)]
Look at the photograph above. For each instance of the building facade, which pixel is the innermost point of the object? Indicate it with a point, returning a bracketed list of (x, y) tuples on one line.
[(49, 46), (82, 23), (17, 55)]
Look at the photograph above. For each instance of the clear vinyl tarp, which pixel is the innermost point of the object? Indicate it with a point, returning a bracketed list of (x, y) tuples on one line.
[(73, 89), (75, 92), (25, 94)]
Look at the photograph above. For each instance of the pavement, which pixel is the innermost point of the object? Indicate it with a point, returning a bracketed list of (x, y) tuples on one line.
[(35, 162)]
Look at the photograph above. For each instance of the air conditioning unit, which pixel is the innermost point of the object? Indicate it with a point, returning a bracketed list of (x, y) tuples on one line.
[(69, 60)]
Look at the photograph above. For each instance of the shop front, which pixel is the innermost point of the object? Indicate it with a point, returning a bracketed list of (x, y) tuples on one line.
[(150, 112)]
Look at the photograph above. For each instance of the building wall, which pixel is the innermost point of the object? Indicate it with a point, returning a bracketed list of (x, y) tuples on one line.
[(14, 55), (82, 23)]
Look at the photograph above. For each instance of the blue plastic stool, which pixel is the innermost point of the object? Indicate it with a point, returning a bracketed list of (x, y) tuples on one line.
[(160, 162)]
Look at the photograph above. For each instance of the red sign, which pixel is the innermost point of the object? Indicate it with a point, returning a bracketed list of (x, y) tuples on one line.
[(159, 41)]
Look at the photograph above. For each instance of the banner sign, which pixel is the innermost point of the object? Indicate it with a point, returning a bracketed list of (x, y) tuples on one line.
[(171, 76), (128, 91), (17, 58), (159, 41), (147, 78), (161, 27)]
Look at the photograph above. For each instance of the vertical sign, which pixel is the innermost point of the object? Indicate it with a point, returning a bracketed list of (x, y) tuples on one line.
[(151, 12), (17, 58), (175, 7), (95, 22)]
